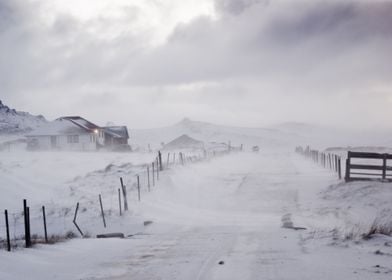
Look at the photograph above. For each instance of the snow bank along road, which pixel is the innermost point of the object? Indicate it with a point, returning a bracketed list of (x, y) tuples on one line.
[(219, 220)]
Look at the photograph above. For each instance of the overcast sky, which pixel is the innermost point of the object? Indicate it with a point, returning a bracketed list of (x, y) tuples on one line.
[(150, 63)]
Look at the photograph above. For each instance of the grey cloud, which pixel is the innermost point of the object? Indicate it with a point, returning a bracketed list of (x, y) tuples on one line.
[(236, 7), (283, 38), (345, 22), (303, 45), (256, 53), (9, 14)]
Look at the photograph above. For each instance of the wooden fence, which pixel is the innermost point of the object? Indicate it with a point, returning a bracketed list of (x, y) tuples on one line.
[(366, 171), (326, 160)]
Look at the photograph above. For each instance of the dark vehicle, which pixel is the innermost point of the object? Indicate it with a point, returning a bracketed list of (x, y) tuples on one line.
[(255, 149)]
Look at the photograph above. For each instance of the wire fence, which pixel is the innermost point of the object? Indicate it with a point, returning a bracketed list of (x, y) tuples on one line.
[(108, 201)]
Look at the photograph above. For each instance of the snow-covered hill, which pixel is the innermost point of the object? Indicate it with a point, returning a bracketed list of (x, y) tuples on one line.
[(284, 135), (208, 132), (16, 122)]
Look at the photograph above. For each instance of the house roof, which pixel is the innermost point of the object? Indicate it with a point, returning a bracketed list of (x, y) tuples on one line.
[(58, 127), (117, 131), (65, 126), (79, 121), (72, 125)]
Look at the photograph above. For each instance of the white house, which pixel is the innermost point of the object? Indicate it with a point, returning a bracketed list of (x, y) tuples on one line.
[(67, 133)]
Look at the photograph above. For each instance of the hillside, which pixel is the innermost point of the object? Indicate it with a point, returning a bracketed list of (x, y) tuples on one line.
[(16, 122), (208, 132), (280, 136)]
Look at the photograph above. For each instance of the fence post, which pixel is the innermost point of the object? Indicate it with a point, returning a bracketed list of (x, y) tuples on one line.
[(157, 168), (119, 201), (384, 166), (7, 231), (333, 162), (26, 223), (45, 229), (102, 212), (340, 168), (74, 220), (347, 176), (160, 160), (168, 158), (174, 158), (138, 187), (148, 178), (124, 190), (153, 174)]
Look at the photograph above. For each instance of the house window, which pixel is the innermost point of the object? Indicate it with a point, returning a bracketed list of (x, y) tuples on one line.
[(92, 138), (73, 138)]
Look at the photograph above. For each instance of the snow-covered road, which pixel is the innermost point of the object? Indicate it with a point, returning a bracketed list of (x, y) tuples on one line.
[(223, 220)]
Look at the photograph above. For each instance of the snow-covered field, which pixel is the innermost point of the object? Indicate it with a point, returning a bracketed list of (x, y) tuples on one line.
[(43, 176), (59, 180), (231, 217)]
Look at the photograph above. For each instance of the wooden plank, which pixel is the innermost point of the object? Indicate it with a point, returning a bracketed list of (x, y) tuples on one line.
[(366, 167), (369, 155), (369, 167), (364, 173), (362, 179), (111, 235), (347, 176)]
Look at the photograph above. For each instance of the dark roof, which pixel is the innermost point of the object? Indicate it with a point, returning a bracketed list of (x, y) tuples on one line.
[(81, 122), (117, 131)]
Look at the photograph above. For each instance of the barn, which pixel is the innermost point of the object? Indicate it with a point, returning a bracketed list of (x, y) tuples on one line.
[(184, 142)]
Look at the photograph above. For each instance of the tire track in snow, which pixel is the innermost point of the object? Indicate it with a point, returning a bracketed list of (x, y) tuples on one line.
[(212, 260)]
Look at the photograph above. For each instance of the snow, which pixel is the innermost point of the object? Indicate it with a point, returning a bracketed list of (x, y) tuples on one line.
[(282, 136), (228, 209), (57, 127), (15, 122), (267, 215), (59, 180)]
